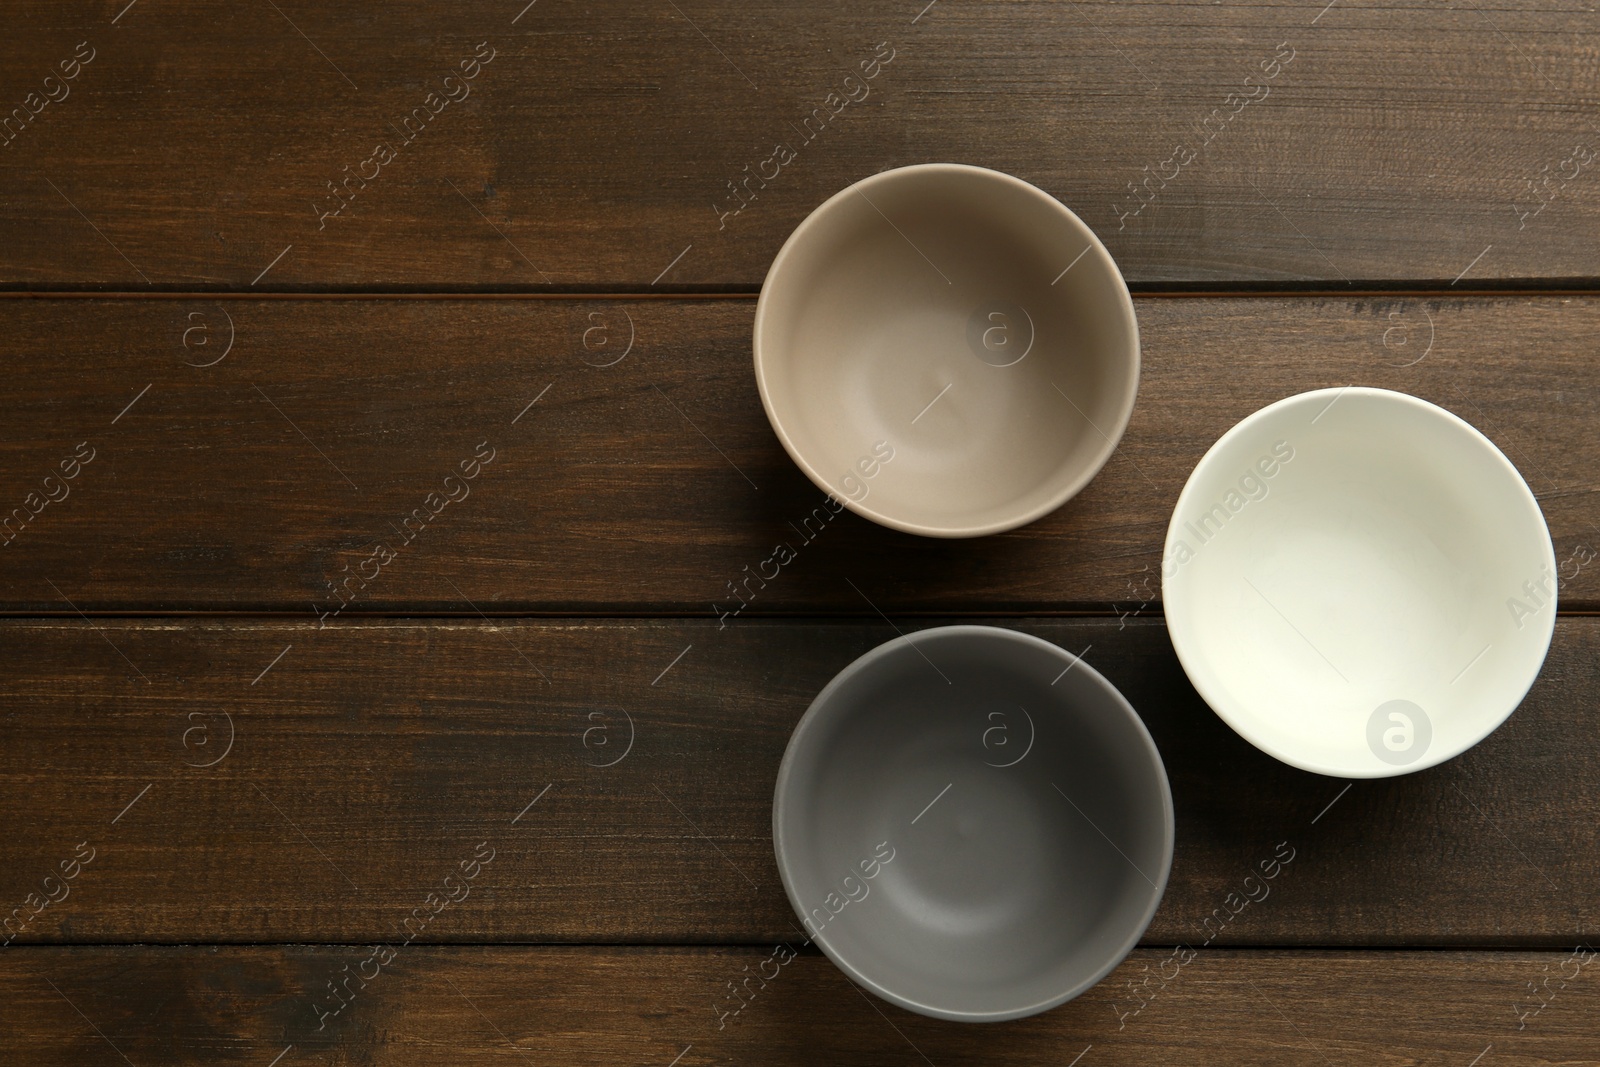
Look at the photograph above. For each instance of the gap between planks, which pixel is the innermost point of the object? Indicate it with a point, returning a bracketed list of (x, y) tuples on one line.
[(1147, 290)]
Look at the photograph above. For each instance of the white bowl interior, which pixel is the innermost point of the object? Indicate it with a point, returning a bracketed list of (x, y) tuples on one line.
[(867, 335), (1345, 549)]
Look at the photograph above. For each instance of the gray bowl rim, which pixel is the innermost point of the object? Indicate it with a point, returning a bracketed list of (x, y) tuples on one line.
[(818, 711)]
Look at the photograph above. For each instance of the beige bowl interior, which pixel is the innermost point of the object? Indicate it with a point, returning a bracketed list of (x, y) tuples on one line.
[(947, 350)]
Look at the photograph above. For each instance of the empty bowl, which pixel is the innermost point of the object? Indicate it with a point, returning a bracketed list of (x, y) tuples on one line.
[(1359, 582), (972, 823), (947, 350)]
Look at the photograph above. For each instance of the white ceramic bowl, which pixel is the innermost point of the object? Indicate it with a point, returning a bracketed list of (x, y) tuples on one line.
[(1359, 582), (947, 350)]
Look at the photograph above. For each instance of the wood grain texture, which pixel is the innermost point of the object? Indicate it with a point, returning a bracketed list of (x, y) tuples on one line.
[(467, 1005), (650, 485), (598, 147), (371, 760), (208, 821)]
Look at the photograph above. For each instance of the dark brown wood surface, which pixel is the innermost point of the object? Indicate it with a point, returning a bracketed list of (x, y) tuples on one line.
[(612, 1006), (237, 752), (596, 148), (371, 759), (650, 484)]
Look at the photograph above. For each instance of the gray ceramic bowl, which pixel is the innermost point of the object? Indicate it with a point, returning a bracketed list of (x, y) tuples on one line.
[(947, 350), (973, 823)]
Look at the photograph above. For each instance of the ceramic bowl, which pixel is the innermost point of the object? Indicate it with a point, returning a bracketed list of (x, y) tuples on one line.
[(1359, 582), (947, 350), (972, 823)]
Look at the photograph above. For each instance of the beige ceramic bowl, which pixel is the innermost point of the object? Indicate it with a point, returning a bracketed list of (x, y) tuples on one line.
[(947, 350)]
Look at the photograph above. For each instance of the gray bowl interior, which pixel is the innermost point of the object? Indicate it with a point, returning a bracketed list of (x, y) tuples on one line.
[(966, 838)]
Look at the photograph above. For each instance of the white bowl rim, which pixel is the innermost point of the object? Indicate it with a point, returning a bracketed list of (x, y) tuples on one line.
[(1187, 653), (808, 723), (1112, 435)]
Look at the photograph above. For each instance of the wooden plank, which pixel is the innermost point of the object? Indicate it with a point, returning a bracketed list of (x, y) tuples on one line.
[(652, 484), (649, 1005), (369, 761), (1250, 143)]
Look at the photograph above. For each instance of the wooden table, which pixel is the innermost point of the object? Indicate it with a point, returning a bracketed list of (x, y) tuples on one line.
[(474, 282)]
